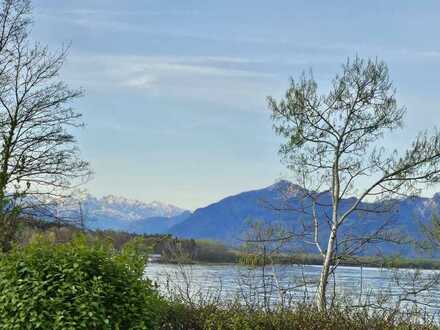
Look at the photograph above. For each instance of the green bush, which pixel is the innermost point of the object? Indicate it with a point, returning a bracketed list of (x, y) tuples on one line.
[(76, 285)]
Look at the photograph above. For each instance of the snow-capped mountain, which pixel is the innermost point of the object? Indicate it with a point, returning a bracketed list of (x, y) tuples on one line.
[(116, 207), (228, 219), (120, 213)]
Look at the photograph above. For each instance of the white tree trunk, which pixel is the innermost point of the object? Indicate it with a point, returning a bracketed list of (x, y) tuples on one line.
[(321, 301)]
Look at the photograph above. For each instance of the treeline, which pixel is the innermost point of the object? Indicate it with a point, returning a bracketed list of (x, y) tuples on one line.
[(171, 249), (186, 251)]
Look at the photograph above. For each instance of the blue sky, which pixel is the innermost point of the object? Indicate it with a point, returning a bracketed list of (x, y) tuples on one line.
[(175, 90)]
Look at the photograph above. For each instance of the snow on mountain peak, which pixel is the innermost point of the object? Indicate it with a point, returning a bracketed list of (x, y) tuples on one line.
[(112, 206)]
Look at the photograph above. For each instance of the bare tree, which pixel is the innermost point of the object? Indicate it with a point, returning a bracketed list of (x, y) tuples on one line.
[(38, 154), (333, 145), (263, 283), (14, 22)]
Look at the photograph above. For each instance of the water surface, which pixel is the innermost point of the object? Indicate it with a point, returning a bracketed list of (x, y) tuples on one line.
[(294, 283)]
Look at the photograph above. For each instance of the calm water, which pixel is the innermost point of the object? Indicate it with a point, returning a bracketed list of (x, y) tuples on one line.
[(232, 281)]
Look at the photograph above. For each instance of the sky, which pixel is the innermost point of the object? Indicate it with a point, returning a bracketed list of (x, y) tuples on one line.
[(175, 91)]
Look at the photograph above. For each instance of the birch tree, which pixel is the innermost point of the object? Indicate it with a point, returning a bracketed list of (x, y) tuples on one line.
[(334, 142)]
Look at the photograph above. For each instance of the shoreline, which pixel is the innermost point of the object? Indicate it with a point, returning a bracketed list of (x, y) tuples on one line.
[(367, 262)]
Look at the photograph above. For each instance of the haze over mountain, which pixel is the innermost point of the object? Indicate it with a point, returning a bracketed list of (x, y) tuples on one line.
[(130, 209), (119, 213), (228, 219)]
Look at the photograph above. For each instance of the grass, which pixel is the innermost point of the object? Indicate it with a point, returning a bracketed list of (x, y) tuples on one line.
[(237, 317)]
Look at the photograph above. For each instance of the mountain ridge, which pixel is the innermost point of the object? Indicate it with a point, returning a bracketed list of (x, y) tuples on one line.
[(227, 220), (124, 214)]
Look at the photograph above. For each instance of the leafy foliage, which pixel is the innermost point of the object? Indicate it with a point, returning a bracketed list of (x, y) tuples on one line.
[(76, 285), (334, 143)]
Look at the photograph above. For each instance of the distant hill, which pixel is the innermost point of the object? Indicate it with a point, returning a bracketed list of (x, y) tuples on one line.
[(157, 225), (227, 220)]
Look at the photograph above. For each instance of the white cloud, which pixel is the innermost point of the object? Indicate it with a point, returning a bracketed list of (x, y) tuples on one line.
[(107, 20), (127, 70), (430, 53), (143, 82), (221, 80)]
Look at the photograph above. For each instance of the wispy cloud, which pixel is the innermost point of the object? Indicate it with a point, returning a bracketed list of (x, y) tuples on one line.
[(110, 20), (214, 79), (119, 13), (143, 82), (430, 53), (140, 22), (151, 69)]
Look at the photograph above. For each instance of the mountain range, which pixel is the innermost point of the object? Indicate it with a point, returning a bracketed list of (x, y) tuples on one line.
[(119, 213), (228, 219), (283, 204)]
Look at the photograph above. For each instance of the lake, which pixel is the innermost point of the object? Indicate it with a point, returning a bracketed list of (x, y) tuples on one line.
[(294, 283)]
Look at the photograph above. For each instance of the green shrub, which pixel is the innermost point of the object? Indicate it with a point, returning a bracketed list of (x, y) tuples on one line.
[(76, 285)]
